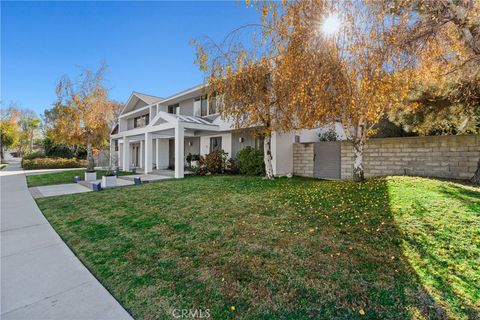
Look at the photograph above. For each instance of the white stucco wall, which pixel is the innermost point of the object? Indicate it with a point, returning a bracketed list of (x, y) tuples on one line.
[(282, 153), (226, 143), (311, 135), (186, 107)]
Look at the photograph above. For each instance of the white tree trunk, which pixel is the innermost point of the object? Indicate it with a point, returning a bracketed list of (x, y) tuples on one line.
[(476, 177), (267, 156), (358, 173)]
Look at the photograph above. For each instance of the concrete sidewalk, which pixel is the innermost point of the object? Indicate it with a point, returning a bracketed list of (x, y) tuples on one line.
[(40, 277)]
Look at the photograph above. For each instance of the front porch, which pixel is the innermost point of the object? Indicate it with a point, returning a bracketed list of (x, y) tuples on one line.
[(162, 144)]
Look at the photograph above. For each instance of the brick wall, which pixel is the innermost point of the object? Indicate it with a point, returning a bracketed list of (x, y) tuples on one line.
[(452, 157), (303, 159)]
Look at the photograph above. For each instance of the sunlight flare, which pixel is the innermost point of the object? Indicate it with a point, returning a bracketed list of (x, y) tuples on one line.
[(331, 25)]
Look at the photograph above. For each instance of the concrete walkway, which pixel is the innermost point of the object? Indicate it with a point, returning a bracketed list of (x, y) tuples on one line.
[(40, 277)]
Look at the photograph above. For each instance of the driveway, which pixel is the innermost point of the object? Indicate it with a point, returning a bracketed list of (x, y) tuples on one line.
[(40, 277)]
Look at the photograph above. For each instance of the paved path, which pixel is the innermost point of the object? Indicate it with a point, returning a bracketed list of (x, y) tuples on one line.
[(40, 277)]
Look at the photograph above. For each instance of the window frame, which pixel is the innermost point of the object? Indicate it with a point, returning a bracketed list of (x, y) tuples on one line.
[(174, 108), (218, 141)]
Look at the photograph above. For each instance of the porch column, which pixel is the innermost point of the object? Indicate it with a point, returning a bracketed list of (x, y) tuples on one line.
[(148, 152), (120, 155), (126, 154), (112, 150), (140, 161), (157, 149), (179, 150)]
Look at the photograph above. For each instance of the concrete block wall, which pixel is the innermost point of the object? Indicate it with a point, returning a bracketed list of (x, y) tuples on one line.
[(453, 157), (303, 159)]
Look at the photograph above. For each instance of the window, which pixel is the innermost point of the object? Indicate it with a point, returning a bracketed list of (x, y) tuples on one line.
[(259, 142), (116, 145), (213, 108), (203, 106), (141, 121), (215, 143), (173, 108)]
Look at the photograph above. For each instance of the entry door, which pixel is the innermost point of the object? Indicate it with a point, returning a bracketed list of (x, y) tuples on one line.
[(327, 160), (137, 156)]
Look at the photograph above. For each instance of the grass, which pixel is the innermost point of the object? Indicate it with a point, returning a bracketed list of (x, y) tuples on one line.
[(63, 177), (392, 248), (3, 166)]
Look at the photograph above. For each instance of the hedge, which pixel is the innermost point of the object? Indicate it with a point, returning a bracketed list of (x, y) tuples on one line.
[(250, 162), (51, 163)]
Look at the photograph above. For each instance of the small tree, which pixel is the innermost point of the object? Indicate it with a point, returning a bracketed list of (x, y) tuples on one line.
[(85, 112), (9, 129)]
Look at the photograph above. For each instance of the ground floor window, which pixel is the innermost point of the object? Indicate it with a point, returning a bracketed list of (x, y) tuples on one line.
[(259, 140), (215, 143)]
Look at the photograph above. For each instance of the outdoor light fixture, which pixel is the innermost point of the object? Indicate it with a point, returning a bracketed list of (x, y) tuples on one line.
[(189, 143), (240, 139), (331, 25)]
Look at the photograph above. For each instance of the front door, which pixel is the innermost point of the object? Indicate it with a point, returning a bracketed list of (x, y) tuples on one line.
[(137, 156)]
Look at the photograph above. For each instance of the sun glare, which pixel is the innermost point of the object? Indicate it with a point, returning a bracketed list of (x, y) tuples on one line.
[(331, 25)]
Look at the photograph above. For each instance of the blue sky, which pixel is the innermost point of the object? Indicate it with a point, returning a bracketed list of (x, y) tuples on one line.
[(145, 44)]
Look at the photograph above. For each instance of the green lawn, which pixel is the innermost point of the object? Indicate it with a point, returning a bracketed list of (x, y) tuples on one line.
[(63, 177), (393, 248), (2, 166)]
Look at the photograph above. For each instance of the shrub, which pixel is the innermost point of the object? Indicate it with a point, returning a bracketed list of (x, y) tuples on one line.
[(56, 150), (329, 135), (34, 155), (232, 166), (51, 163), (250, 162), (215, 162), (192, 157)]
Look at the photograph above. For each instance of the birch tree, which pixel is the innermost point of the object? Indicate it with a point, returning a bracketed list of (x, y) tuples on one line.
[(315, 75)]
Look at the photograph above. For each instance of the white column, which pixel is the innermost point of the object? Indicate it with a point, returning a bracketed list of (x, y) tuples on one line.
[(126, 154), (112, 150), (179, 150), (157, 151), (120, 155), (140, 161), (148, 152)]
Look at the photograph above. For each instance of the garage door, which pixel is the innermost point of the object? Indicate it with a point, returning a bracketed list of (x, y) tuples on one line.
[(327, 160)]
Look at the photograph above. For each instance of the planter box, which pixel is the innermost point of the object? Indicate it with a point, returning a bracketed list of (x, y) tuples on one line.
[(109, 181), (90, 176)]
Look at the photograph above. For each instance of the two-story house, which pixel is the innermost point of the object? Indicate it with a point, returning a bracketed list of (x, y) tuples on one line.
[(158, 133)]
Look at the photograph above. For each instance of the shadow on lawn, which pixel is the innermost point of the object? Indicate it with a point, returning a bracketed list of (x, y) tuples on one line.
[(371, 271), (410, 287)]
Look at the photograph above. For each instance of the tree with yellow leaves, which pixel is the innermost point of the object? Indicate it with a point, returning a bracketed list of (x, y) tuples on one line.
[(302, 73), (444, 38), (85, 112)]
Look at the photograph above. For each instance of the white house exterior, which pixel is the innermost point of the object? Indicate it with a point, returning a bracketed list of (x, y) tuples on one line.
[(158, 133)]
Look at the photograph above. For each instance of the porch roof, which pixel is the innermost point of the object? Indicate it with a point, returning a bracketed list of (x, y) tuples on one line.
[(164, 121)]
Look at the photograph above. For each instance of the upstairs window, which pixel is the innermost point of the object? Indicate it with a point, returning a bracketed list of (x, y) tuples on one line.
[(213, 107), (141, 121), (203, 106), (173, 108)]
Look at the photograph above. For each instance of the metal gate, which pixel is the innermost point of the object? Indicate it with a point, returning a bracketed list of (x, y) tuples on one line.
[(327, 160)]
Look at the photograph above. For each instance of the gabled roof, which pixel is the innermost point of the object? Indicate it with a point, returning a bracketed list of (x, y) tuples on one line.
[(135, 97), (149, 99)]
